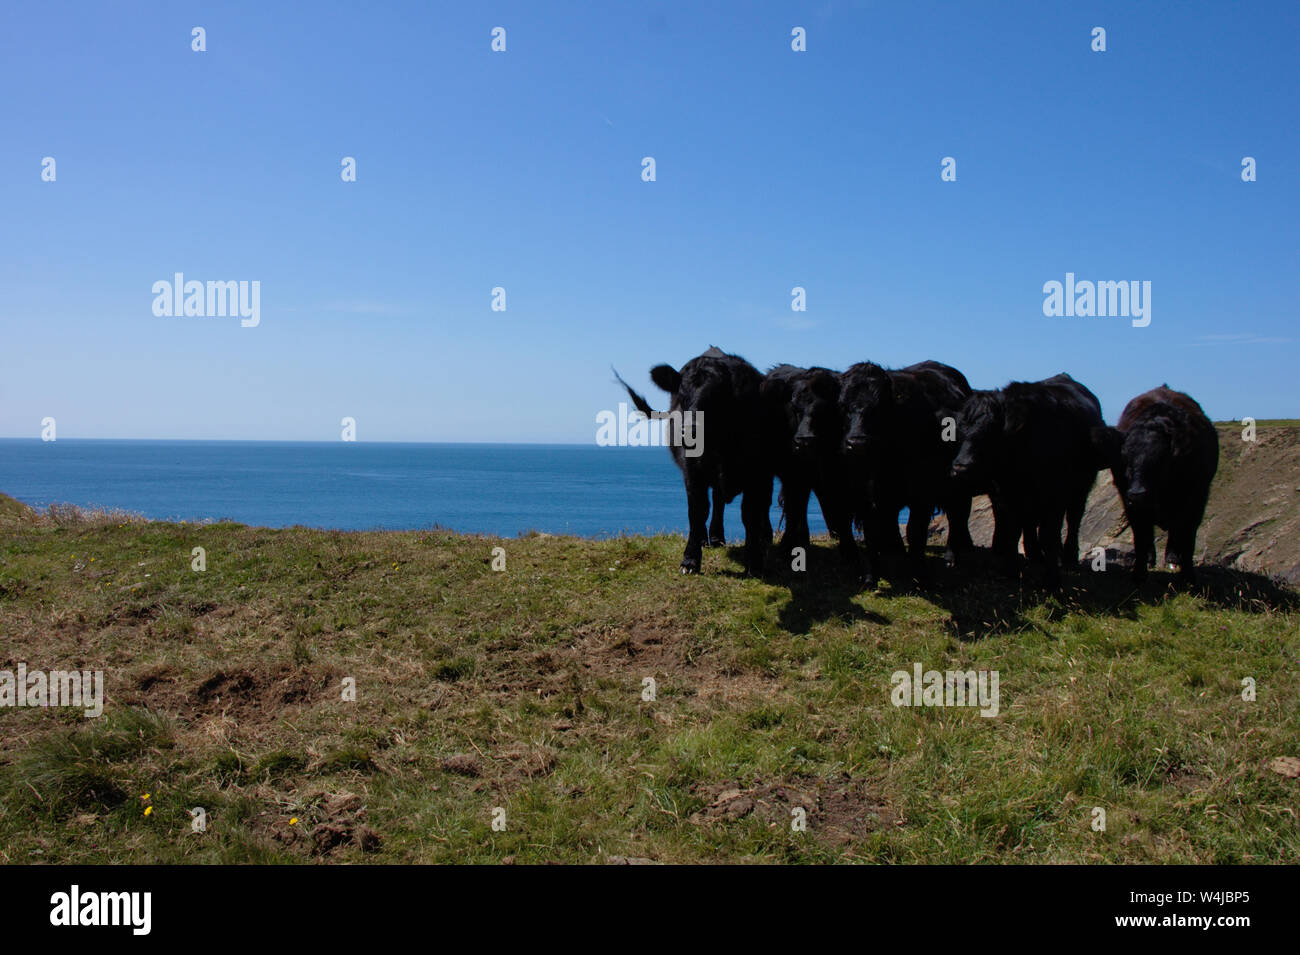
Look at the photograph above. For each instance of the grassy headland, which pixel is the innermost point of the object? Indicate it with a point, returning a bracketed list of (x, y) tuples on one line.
[(523, 690)]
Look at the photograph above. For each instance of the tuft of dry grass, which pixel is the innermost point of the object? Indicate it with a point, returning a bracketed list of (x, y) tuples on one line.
[(72, 515)]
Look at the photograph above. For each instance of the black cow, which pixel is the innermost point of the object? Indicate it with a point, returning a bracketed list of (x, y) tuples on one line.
[(803, 421), (1163, 456), (716, 434), (899, 442), (1030, 447)]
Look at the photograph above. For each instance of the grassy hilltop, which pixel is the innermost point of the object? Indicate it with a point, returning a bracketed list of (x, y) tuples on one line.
[(523, 690)]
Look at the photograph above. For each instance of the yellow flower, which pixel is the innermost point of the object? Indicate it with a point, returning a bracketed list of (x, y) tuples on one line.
[(293, 821), (148, 810)]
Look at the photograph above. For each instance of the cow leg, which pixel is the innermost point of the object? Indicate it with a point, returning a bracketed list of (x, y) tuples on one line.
[(1006, 534), (918, 533), (1144, 547), (1180, 549), (834, 509), (754, 508), (717, 537), (886, 540), (891, 540), (1049, 540), (1033, 540), (865, 515), (1073, 518), (697, 513), (839, 522), (957, 508), (795, 495)]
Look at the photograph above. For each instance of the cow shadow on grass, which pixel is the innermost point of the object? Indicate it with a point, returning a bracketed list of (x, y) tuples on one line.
[(983, 602), (825, 591)]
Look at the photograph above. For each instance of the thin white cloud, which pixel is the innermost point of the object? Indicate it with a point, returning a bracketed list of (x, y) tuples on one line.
[(1240, 339)]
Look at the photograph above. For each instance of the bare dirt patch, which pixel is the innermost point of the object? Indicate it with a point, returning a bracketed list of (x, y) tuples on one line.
[(838, 811), (339, 822)]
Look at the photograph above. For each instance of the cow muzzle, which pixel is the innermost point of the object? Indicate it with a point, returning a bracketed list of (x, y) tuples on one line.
[(1137, 498)]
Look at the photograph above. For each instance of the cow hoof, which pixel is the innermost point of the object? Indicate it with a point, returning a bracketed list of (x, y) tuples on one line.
[(690, 567), (716, 542)]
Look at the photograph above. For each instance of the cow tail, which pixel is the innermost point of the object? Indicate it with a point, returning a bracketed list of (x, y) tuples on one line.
[(642, 405)]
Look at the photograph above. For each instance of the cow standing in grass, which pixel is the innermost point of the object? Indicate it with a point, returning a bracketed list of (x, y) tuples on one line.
[(1030, 447), (1163, 456), (802, 415), (716, 434), (898, 448)]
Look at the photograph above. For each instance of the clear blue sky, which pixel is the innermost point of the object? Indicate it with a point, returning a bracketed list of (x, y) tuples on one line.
[(523, 170)]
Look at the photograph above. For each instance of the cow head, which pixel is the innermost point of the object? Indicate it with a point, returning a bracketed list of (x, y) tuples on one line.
[(866, 402), (981, 425), (702, 384), (1146, 464), (806, 406), (814, 400)]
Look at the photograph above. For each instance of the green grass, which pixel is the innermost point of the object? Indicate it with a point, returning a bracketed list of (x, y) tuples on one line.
[(1263, 423), (523, 690)]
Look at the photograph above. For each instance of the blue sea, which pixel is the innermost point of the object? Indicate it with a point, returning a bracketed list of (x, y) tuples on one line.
[(499, 489)]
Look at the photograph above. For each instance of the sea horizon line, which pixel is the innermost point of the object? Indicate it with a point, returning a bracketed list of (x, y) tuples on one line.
[(471, 444)]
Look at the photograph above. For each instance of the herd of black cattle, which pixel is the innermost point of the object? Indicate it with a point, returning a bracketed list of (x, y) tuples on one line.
[(870, 441)]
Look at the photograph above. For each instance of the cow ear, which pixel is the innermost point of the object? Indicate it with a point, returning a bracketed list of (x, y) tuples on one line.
[(666, 377)]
